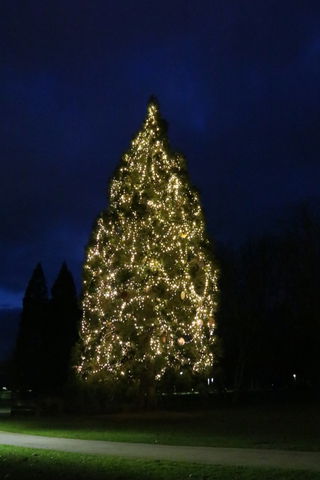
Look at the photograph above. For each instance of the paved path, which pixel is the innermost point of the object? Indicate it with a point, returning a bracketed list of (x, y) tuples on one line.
[(205, 455)]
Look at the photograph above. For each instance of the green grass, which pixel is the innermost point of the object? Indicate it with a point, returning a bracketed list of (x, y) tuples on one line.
[(26, 464), (294, 428)]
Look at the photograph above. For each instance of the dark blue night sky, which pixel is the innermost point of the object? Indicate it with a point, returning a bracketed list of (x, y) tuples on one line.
[(237, 80)]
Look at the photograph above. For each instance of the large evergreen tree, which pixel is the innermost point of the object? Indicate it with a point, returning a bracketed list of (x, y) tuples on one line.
[(29, 368), (150, 283)]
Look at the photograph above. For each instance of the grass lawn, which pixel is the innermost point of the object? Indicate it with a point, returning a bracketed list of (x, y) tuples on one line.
[(296, 427), (26, 464)]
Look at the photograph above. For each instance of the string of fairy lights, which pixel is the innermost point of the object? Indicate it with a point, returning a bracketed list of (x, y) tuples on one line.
[(150, 285)]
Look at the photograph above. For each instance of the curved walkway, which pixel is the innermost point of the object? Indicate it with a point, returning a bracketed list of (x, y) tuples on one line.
[(205, 455)]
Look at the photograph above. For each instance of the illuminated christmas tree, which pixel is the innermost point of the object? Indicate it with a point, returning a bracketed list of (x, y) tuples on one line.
[(150, 284)]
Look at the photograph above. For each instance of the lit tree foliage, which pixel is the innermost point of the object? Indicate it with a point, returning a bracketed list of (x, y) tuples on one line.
[(150, 284)]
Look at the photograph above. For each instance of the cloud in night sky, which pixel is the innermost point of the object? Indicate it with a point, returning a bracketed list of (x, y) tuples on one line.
[(238, 83)]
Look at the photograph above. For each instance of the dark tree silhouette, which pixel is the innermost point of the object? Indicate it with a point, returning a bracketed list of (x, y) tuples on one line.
[(29, 366), (270, 308), (63, 330), (301, 303)]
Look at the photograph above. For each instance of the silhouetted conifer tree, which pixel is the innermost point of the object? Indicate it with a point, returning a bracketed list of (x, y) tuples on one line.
[(64, 324), (29, 365)]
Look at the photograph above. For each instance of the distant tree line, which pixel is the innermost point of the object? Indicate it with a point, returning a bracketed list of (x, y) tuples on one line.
[(47, 333), (269, 317)]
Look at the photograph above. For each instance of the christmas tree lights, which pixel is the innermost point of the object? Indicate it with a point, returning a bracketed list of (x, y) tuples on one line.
[(150, 284)]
